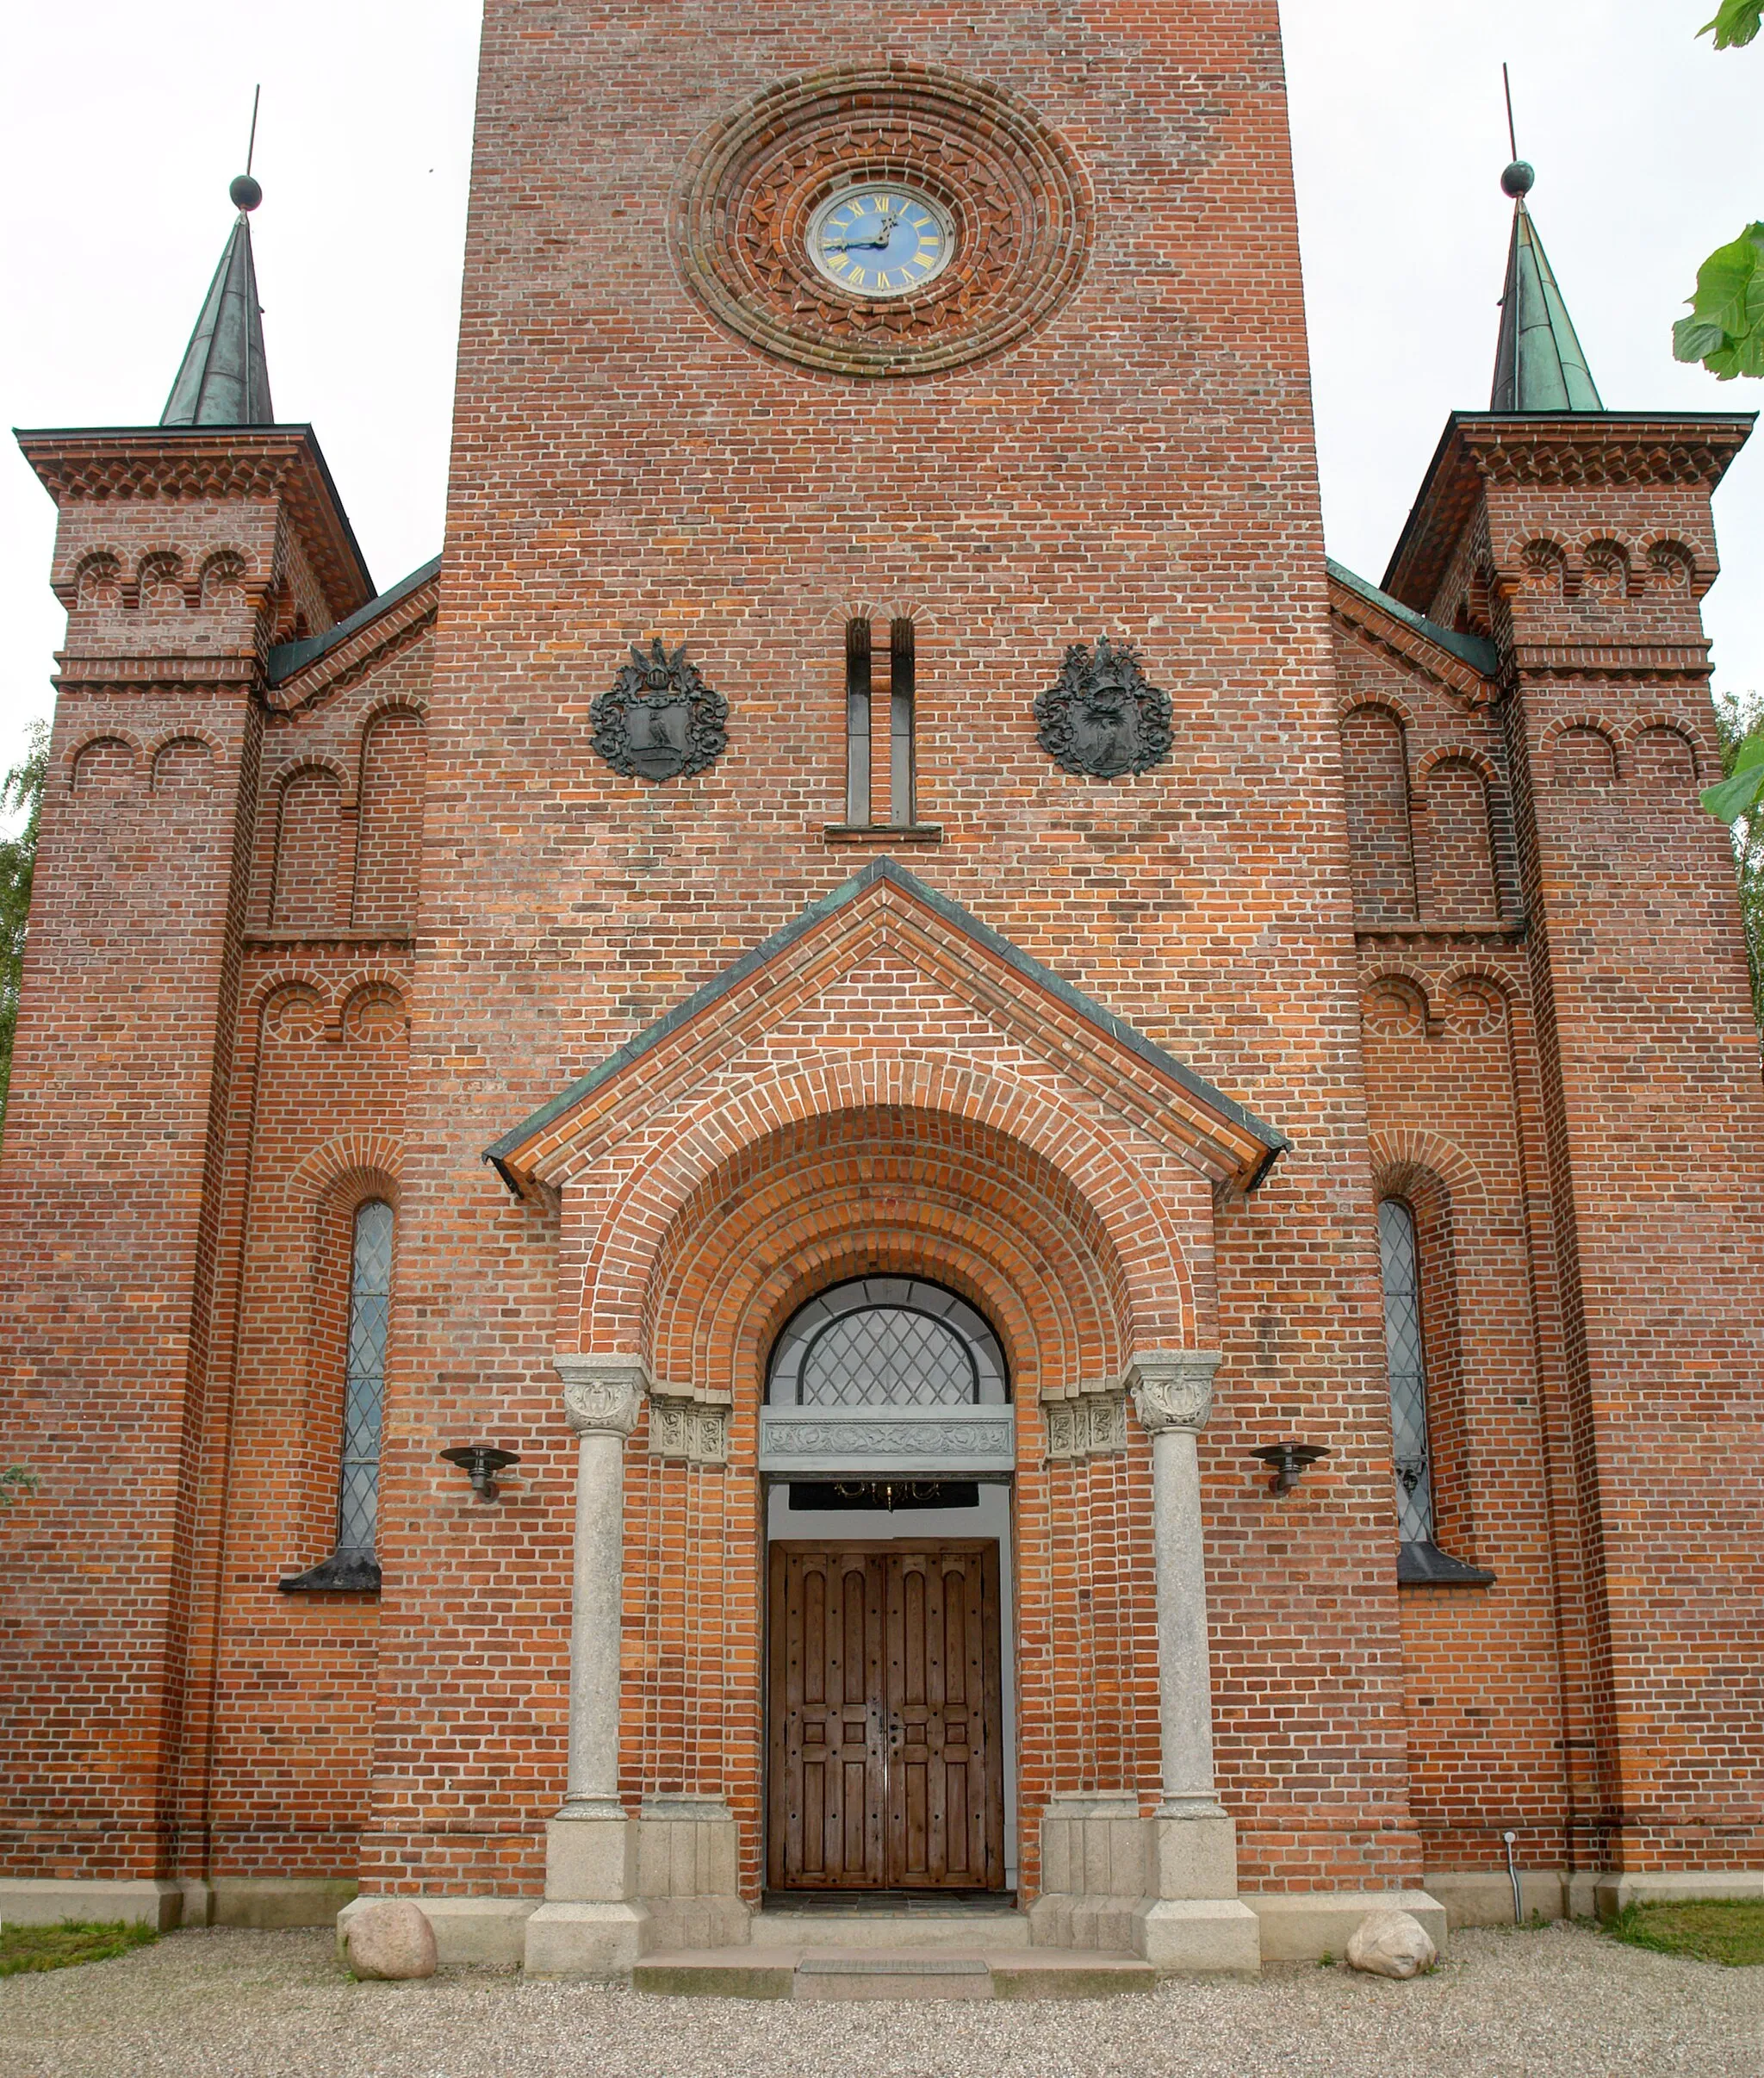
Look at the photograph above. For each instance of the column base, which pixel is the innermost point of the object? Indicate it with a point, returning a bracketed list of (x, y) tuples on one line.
[(590, 1854), (598, 1939), (1199, 1936)]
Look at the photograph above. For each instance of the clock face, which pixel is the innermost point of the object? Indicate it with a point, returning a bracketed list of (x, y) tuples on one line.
[(880, 240)]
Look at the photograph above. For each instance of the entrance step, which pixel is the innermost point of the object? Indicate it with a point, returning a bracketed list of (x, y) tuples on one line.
[(899, 1972), (901, 1975), (971, 1928)]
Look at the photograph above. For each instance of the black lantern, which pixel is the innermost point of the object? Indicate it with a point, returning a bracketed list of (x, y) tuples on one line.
[(482, 1462), (1286, 1461)]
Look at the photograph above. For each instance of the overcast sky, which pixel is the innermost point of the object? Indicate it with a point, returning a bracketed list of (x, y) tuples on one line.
[(121, 126)]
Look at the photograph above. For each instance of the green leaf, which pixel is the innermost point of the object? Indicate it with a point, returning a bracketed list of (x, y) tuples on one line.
[(1729, 302), (1736, 796), (1750, 753), (1736, 23)]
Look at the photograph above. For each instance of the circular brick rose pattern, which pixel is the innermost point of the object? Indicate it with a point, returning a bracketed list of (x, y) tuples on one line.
[(1015, 193)]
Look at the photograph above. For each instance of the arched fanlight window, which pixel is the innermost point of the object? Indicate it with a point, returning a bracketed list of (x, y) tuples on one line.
[(887, 1341), (1406, 1363), (364, 1382)]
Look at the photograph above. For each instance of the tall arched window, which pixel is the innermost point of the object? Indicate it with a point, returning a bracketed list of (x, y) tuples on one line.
[(352, 1565), (364, 1382), (1421, 1563), (1406, 1363)]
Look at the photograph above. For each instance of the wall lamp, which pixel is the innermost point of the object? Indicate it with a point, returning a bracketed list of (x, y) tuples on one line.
[(482, 1464), (1286, 1461)]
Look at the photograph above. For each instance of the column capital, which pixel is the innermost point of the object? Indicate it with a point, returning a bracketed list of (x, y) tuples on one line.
[(603, 1395), (1173, 1388)]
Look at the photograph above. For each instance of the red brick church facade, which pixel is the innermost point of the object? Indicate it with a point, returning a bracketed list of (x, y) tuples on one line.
[(884, 1113)]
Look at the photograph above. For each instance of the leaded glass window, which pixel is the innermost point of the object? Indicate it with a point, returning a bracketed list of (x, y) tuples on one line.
[(364, 1386), (1408, 1371), (888, 1341)]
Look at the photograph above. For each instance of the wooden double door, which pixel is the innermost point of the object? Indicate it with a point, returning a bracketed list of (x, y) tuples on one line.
[(887, 1761)]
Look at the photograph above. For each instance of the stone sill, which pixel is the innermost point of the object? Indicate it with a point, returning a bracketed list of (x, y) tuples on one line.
[(342, 1573), (884, 834), (1496, 927), (1425, 1565)]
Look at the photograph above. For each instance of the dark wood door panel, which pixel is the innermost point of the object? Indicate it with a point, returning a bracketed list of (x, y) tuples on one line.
[(886, 1717)]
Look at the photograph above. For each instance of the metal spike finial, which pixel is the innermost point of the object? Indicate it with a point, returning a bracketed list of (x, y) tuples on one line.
[(1520, 176), (245, 192)]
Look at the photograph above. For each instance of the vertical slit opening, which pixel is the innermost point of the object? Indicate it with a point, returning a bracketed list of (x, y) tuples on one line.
[(857, 722), (902, 793)]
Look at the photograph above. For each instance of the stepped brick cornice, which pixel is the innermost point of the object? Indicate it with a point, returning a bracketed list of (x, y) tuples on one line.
[(184, 464), (1577, 449)]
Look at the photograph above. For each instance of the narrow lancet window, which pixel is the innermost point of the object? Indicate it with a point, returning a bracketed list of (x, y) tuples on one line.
[(1407, 1369), (857, 722), (902, 808), (364, 1386)]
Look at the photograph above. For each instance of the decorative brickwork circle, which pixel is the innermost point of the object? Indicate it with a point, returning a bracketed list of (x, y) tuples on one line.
[(1016, 197)]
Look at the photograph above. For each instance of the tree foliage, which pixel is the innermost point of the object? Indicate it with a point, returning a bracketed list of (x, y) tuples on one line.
[(1739, 803), (1736, 23), (20, 790), (1725, 329)]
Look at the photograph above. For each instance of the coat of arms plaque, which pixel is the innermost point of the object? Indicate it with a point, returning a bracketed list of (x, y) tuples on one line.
[(1103, 718), (661, 721)]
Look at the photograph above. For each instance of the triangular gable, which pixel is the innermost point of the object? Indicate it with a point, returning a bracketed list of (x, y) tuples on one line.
[(1464, 664), (1233, 1145), (297, 673)]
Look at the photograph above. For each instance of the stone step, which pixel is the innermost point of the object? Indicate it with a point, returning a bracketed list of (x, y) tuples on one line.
[(776, 1972), (974, 1929)]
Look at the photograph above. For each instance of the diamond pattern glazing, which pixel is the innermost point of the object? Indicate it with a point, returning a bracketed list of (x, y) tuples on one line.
[(880, 1341), (364, 1388), (1407, 1369), (888, 1357)]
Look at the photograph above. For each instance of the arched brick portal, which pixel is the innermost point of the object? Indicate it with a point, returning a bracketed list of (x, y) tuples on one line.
[(896, 1189)]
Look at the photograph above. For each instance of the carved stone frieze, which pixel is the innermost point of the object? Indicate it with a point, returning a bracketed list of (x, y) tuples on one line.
[(1093, 1425), (604, 1395), (820, 1441), (1173, 1388), (661, 721), (1103, 718), (695, 1430)]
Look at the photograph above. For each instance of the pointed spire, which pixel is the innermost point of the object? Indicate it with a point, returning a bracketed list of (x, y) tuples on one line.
[(224, 380), (1540, 365)]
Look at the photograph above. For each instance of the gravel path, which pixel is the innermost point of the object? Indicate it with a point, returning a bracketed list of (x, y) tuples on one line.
[(1534, 2004)]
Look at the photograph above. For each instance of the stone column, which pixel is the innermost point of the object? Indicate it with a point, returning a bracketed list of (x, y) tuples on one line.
[(1172, 1394), (1191, 1917), (589, 1926)]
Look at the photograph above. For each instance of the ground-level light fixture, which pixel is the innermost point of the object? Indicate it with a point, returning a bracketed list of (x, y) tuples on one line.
[(482, 1462), (1286, 1461)]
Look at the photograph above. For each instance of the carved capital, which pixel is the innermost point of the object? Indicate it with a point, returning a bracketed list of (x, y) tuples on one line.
[(1173, 1388), (602, 1395)]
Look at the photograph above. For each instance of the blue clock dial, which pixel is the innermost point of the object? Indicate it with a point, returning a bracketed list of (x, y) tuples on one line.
[(880, 240)]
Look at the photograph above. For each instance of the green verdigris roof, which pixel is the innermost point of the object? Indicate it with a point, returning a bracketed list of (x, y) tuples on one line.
[(1540, 365), (224, 380)]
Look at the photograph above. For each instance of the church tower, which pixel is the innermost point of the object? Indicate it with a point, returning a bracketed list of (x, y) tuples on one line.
[(882, 1159)]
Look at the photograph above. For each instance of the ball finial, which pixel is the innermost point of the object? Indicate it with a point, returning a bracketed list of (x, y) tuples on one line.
[(1518, 179), (245, 192)]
